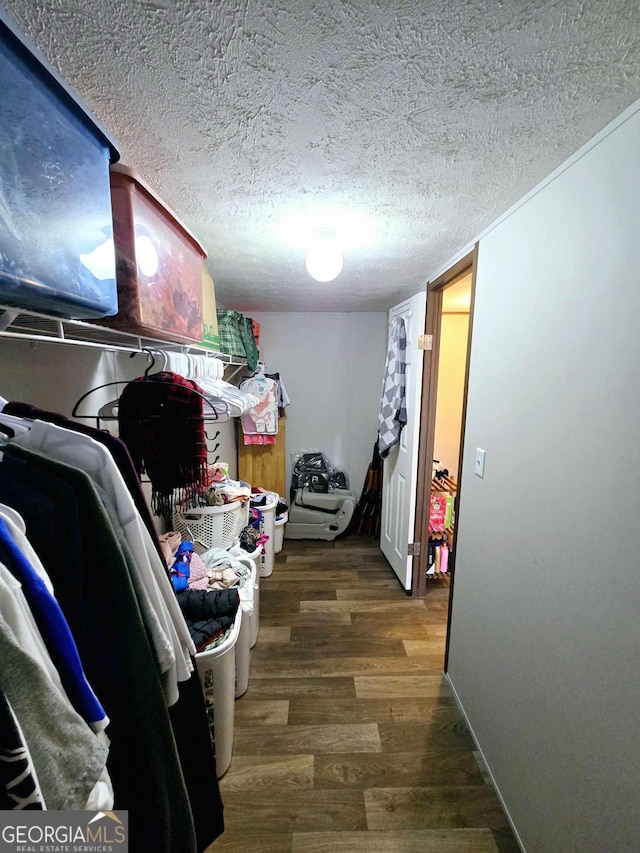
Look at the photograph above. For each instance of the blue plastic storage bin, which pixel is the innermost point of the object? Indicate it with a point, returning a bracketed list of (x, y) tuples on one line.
[(56, 231)]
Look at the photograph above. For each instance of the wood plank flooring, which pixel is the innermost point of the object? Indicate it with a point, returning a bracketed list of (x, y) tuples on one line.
[(348, 740)]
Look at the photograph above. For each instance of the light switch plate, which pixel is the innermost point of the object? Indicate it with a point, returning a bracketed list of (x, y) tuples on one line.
[(480, 456)]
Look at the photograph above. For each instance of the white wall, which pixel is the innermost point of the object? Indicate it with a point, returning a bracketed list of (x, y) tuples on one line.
[(332, 366), (545, 638)]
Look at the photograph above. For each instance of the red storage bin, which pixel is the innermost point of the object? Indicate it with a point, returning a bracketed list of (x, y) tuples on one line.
[(158, 264)]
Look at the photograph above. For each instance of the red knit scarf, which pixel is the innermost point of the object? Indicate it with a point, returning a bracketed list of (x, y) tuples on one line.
[(161, 422)]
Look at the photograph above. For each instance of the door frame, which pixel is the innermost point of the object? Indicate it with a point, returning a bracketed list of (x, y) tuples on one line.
[(433, 327)]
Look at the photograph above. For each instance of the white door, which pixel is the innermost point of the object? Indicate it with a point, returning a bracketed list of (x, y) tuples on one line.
[(401, 466)]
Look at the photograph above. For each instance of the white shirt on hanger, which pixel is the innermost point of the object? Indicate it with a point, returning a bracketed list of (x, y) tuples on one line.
[(172, 642)]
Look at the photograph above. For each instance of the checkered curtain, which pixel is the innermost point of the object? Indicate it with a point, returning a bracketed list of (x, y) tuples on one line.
[(393, 410)]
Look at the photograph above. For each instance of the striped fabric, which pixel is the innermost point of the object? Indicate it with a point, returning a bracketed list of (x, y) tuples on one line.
[(19, 787)]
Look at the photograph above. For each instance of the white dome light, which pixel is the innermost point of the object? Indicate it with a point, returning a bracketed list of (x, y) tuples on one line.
[(324, 255)]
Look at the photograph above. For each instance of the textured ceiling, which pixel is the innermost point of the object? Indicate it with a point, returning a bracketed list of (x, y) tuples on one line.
[(408, 125)]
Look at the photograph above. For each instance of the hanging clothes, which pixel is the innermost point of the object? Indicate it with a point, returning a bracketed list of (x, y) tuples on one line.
[(68, 756), (259, 439), (71, 533), (19, 786), (162, 423), (393, 412), (160, 612), (197, 762), (53, 627), (117, 449), (283, 397), (261, 419), (188, 716)]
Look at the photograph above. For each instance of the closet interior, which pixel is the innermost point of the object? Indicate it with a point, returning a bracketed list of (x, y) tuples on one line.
[(452, 360), (130, 553)]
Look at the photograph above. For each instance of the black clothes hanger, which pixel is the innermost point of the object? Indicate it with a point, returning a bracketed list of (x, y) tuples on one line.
[(210, 417), (152, 360)]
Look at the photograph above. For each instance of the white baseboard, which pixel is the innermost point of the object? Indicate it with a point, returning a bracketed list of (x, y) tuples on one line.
[(484, 759)]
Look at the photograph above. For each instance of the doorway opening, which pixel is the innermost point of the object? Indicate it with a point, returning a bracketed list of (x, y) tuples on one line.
[(449, 321)]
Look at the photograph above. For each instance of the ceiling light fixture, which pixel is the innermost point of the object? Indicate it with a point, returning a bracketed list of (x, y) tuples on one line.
[(324, 255)]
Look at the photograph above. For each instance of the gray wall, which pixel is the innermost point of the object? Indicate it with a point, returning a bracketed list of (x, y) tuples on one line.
[(545, 636), (54, 376), (332, 366)]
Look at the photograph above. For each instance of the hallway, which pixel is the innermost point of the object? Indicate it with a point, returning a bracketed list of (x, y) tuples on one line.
[(348, 739)]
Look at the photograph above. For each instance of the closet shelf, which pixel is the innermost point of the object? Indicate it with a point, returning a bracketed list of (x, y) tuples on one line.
[(20, 324)]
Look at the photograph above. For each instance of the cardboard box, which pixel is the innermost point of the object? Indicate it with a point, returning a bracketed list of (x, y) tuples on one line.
[(210, 337)]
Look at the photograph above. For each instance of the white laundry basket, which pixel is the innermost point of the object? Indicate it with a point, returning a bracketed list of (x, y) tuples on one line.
[(254, 557), (244, 644), (278, 535), (267, 526), (213, 526), (255, 618), (217, 671)]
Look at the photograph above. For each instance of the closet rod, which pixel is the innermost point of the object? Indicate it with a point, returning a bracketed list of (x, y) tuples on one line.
[(26, 325), (209, 417)]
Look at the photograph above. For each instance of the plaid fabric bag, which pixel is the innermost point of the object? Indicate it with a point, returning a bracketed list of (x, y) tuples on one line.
[(249, 341), (230, 324)]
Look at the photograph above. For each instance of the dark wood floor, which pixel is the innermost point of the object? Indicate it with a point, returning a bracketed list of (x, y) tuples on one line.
[(348, 740)]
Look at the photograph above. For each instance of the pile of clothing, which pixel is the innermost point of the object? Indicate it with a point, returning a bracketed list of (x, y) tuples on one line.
[(252, 536), (210, 587), (210, 615), (221, 489)]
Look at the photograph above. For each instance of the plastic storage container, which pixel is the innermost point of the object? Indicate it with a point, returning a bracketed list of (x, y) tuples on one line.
[(158, 264), (213, 526), (55, 205), (267, 526), (217, 671), (278, 534)]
